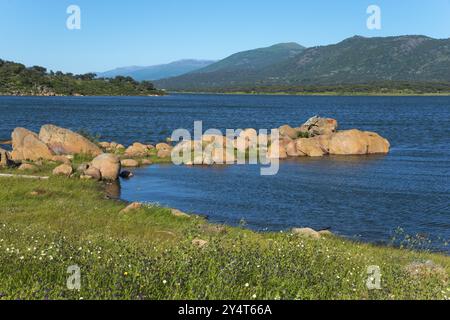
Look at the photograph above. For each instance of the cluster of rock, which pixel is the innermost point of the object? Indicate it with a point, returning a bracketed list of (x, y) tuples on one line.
[(59, 145), (315, 138), (50, 142)]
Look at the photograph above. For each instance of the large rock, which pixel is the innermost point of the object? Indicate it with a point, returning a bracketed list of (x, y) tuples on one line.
[(93, 173), (65, 141), (241, 144), (108, 164), (291, 149), (63, 170), (164, 153), (223, 156), (306, 232), (27, 146), (288, 131), (377, 144), (309, 147), (62, 159), (356, 142), (249, 134), (324, 142), (273, 153), (5, 158), (137, 149), (163, 146), (318, 126), (131, 163)]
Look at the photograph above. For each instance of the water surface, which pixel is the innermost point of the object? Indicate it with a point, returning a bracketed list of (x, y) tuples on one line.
[(367, 197)]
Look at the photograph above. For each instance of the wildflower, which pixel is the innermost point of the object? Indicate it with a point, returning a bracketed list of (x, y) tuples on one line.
[(125, 273), (247, 285), (164, 281), (254, 296)]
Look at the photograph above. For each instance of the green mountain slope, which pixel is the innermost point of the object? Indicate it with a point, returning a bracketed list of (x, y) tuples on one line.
[(357, 60), (242, 65), (255, 59)]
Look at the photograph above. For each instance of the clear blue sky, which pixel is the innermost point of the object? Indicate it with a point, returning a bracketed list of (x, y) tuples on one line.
[(144, 32)]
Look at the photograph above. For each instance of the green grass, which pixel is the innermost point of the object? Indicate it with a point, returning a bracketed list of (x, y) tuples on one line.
[(48, 225)]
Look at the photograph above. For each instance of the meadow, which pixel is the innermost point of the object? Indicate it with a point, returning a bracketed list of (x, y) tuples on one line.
[(46, 226)]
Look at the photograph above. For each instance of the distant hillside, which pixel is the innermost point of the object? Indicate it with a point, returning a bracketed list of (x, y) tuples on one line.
[(354, 61), (158, 71), (235, 68), (255, 59), (17, 79)]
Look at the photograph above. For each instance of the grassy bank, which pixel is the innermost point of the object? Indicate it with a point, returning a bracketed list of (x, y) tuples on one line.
[(48, 225)]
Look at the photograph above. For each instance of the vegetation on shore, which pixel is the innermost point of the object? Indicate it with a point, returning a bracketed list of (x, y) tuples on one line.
[(48, 225), (368, 89), (16, 79)]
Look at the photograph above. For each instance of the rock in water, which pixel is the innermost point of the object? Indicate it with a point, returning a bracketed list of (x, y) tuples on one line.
[(356, 142), (309, 147), (164, 153), (273, 153), (126, 174), (108, 164), (377, 144), (318, 126), (64, 141), (131, 163), (288, 131), (163, 146), (27, 146)]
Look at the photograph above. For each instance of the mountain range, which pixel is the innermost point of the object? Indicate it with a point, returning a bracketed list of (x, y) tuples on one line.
[(356, 60), (157, 72)]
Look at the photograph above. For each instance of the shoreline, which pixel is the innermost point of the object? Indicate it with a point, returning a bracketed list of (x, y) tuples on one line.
[(152, 252), (324, 94), (115, 198), (239, 93)]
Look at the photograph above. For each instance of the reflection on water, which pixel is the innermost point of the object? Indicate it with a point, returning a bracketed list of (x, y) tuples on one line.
[(112, 190)]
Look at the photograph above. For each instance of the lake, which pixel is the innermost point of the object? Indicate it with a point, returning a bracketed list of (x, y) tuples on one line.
[(361, 197)]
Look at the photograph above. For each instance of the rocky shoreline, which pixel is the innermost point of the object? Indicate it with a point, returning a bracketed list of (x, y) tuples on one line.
[(315, 138)]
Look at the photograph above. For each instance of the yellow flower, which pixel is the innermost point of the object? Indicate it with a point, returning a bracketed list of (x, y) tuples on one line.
[(125, 273)]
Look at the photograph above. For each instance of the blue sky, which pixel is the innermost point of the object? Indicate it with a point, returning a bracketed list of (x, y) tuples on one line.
[(144, 32)]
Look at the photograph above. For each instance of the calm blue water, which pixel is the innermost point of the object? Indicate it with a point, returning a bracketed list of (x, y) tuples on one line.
[(365, 197)]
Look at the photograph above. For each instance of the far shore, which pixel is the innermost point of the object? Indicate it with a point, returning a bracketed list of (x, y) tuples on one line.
[(243, 93), (318, 94)]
